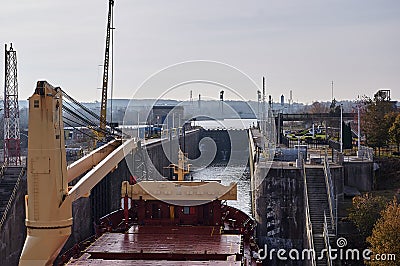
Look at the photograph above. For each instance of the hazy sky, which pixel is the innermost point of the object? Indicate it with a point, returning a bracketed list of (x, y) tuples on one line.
[(298, 45)]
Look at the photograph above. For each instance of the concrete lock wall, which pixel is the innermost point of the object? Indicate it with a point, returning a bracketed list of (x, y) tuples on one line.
[(280, 209), (359, 175), (160, 155), (232, 145), (337, 173)]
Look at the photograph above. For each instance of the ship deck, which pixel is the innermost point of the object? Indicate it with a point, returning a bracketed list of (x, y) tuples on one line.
[(167, 245), (87, 261)]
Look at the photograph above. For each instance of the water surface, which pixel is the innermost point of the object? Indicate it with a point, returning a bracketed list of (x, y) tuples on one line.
[(239, 174)]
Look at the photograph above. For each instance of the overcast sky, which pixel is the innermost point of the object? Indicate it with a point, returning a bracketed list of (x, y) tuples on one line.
[(299, 45)]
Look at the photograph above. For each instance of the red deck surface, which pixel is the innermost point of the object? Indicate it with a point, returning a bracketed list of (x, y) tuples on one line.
[(128, 245), (180, 245), (155, 263), (152, 263), (193, 230)]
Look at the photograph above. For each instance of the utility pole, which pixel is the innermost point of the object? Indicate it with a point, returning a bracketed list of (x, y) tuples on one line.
[(12, 149)]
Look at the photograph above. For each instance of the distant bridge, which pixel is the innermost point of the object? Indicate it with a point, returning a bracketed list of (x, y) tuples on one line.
[(308, 117), (314, 117)]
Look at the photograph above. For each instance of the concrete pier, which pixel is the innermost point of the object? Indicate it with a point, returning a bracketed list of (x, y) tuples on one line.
[(279, 202)]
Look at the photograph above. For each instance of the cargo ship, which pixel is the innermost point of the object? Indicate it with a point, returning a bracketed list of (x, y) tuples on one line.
[(159, 223), (171, 223)]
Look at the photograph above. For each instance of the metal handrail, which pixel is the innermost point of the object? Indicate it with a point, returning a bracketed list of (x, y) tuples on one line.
[(367, 152), (252, 154), (330, 190), (326, 240), (10, 201), (3, 166), (308, 219)]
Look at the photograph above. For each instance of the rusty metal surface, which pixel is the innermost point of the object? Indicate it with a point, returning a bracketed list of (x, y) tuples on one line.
[(177, 245), (186, 243), (86, 260), (157, 245)]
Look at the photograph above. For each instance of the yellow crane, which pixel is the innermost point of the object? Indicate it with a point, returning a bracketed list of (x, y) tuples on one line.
[(49, 200), (182, 168)]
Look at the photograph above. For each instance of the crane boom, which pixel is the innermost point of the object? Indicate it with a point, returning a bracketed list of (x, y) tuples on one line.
[(103, 110)]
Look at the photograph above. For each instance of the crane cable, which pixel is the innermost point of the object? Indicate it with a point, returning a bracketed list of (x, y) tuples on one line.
[(79, 114), (84, 121)]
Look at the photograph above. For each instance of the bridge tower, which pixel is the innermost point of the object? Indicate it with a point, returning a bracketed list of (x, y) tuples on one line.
[(12, 149)]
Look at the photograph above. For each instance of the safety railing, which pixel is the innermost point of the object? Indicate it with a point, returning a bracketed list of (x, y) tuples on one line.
[(171, 132), (310, 240), (326, 241), (3, 167), (10, 201), (253, 158), (330, 191), (367, 152)]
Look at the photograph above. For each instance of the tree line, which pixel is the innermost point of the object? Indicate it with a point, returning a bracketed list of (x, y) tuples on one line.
[(380, 121)]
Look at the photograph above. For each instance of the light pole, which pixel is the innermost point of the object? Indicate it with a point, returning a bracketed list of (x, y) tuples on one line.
[(138, 125), (258, 104), (263, 107), (358, 128), (341, 128)]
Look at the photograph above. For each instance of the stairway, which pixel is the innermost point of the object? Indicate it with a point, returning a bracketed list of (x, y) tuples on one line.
[(318, 203), (7, 184)]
